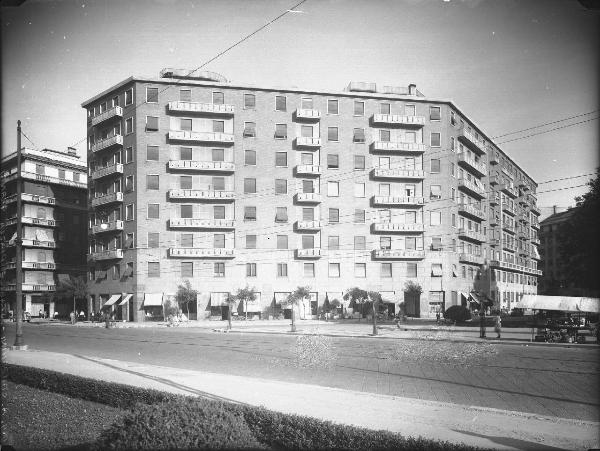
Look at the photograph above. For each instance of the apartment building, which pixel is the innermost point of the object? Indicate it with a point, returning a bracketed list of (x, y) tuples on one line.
[(53, 218), (554, 281), (196, 178)]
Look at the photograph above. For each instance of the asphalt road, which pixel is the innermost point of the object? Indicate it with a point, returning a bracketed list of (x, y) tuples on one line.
[(546, 380)]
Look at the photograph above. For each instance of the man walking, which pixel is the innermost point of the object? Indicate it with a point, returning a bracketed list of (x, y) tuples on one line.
[(72, 315), (498, 326)]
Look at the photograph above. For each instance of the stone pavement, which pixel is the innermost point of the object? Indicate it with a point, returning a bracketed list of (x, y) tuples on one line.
[(484, 427)]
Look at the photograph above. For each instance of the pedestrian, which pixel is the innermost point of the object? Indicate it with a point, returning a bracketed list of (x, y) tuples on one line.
[(81, 315), (41, 314), (498, 326), (437, 317), (72, 315)]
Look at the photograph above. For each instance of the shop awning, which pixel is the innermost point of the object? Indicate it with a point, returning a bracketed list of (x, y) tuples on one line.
[(217, 299), (153, 299), (126, 299), (281, 297), (388, 297), (480, 298), (559, 303), (250, 307), (331, 295), (114, 298)]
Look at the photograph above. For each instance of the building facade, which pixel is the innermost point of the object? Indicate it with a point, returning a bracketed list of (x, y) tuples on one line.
[(53, 218), (554, 281), (194, 178)]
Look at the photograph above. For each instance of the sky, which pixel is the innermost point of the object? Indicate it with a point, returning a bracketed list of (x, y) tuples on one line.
[(509, 65)]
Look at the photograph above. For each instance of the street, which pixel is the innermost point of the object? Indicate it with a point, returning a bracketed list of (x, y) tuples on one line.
[(545, 380)]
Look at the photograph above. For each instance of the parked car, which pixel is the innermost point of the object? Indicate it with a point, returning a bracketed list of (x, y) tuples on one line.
[(26, 316)]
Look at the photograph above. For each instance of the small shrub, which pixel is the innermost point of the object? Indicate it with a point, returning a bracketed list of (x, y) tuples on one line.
[(458, 313)]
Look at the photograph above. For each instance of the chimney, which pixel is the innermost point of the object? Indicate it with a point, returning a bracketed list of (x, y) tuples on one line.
[(554, 208), (412, 89), (71, 151)]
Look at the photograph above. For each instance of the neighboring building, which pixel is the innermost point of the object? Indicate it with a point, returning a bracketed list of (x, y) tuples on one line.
[(53, 217), (228, 185), (553, 282)]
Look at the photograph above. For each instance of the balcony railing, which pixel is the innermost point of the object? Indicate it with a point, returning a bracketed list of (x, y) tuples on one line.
[(510, 209), (509, 246), (535, 210), (308, 114), (535, 240), (308, 253), (397, 119), (194, 252), (471, 141), (107, 199), (34, 198), (116, 140), (309, 225), (511, 191), (193, 165), (494, 242), (53, 180), (34, 221), (311, 143), (471, 235), (109, 170), (494, 198), (470, 210), (32, 265), (394, 227), (397, 147), (535, 223), (494, 157), (202, 108), (397, 254), (185, 135), (308, 169), (471, 187), (514, 267), (111, 254), (476, 166), (508, 227), (111, 226), (397, 200), (35, 243), (197, 223), (201, 194), (307, 198), (30, 287), (116, 111), (469, 258), (398, 173)]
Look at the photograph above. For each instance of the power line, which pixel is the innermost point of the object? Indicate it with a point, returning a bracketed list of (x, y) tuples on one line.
[(547, 131), (545, 124)]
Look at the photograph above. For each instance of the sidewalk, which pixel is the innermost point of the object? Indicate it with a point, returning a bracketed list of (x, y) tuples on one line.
[(488, 428)]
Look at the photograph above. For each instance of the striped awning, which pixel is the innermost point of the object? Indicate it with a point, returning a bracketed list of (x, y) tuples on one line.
[(126, 299), (114, 298), (153, 299)]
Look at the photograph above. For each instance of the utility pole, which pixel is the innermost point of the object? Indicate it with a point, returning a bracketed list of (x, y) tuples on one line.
[(19, 342)]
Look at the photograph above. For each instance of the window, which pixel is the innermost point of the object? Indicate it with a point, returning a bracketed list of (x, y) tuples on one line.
[(358, 135), (129, 97), (410, 243), (250, 241), (434, 113), (359, 190), (452, 147), (249, 129), (218, 154), (218, 183), (308, 242), (219, 269), (435, 166), (411, 270), (250, 213), (249, 186), (218, 126), (41, 213), (281, 159), (249, 101), (359, 162), (218, 98), (360, 270), (359, 216), (334, 270), (282, 270), (333, 189), (385, 243), (435, 192), (282, 241), (333, 242), (308, 214), (306, 131), (334, 215), (129, 212), (306, 158), (40, 169), (218, 212), (152, 182), (281, 131), (185, 124), (385, 108), (435, 218), (309, 270), (185, 153), (186, 211), (153, 240), (129, 183), (281, 214), (306, 103), (185, 95), (410, 110), (308, 186), (152, 153), (250, 269), (151, 95), (332, 134), (436, 243), (129, 126), (333, 161), (280, 186), (129, 155), (280, 103), (187, 269), (384, 189), (250, 157), (116, 272), (153, 211), (332, 106), (386, 270), (153, 269), (219, 241), (452, 118), (61, 174), (452, 170), (359, 108), (435, 140), (151, 123), (185, 182), (384, 135)]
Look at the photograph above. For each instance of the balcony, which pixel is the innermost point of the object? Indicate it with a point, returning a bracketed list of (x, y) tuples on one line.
[(309, 225), (396, 119), (308, 169), (34, 221), (494, 199), (534, 223), (494, 158), (514, 267), (201, 194), (109, 170), (494, 179), (308, 253), (36, 243), (469, 139), (398, 254), (308, 143), (211, 137), (509, 246), (196, 223), (307, 114), (307, 198), (509, 190), (510, 228), (510, 209), (53, 180), (47, 266), (107, 143), (29, 287), (111, 226), (469, 258), (116, 111), (107, 199), (469, 163), (471, 211), (112, 254), (494, 242), (396, 200), (397, 147), (535, 240), (535, 210), (202, 108), (34, 198), (471, 188), (388, 173), (194, 252), (208, 166), (471, 235), (494, 221), (394, 227)]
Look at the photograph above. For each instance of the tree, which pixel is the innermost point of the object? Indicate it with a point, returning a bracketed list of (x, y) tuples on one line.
[(376, 300), (335, 305), (246, 295), (230, 300), (185, 295), (357, 296), (73, 288), (412, 298), (326, 307), (294, 299)]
